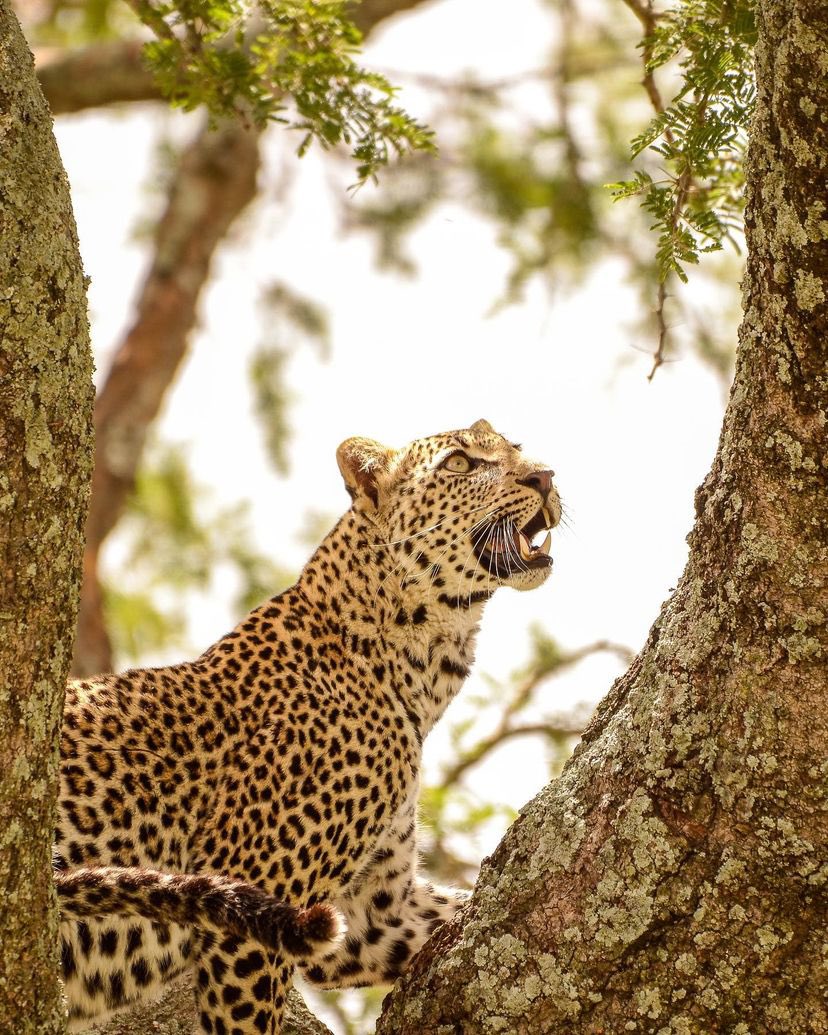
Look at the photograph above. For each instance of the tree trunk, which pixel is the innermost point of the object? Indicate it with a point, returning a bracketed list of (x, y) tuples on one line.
[(673, 880), (46, 449)]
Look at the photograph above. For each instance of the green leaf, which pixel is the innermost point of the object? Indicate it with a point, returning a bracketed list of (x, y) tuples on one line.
[(701, 135)]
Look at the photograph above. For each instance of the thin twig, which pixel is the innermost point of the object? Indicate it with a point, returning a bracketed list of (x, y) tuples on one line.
[(508, 729), (663, 331), (648, 18)]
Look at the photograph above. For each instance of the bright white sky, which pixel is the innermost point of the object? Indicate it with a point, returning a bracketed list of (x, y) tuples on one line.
[(413, 357)]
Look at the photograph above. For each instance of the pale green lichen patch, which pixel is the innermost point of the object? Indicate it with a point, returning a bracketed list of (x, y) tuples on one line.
[(686, 964), (508, 980), (766, 940), (648, 1002), (732, 872), (787, 225), (621, 907), (757, 547), (678, 1026), (802, 648), (556, 853), (38, 436), (808, 290), (816, 225)]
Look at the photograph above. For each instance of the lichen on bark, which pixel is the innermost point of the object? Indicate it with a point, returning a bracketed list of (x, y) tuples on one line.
[(45, 442), (674, 881)]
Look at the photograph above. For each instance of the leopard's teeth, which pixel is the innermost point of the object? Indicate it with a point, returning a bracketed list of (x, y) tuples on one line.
[(547, 517), (544, 546), (524, 546)]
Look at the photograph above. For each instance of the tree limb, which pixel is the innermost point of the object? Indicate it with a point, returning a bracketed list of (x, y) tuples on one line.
[(171, 1015), (114, 72), (509, 729), (215, 180), (673, 879), (96, 76)]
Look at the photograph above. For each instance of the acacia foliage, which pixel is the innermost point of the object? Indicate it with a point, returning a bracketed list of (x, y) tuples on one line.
[(700, 137), (216, 53)]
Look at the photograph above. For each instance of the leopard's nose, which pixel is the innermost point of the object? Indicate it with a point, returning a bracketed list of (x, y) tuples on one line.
[(540, 480)]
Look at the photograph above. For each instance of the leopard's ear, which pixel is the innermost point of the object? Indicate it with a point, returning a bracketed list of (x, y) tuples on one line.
[(363, 463)]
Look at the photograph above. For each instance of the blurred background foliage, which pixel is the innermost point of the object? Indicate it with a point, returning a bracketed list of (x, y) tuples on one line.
[(674, 80)]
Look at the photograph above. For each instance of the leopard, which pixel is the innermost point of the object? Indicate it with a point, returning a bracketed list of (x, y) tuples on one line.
[(251, 815)]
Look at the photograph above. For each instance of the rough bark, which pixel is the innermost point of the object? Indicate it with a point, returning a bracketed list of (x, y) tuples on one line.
[(46, 449), (673, 880)]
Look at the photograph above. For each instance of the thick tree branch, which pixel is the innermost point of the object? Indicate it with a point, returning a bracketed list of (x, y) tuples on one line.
[(171, 1015), (96, 76), (114, 72), (368, 14), (673, 879)]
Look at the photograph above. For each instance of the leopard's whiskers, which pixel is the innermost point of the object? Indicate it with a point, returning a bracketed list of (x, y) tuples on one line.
[(513, 553), (425, 531), (471, 532), (410, 575)]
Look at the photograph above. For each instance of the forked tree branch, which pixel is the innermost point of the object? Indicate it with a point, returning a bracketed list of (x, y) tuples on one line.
[(512, 727)]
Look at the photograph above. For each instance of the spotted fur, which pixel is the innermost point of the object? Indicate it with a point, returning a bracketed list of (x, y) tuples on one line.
[(229, 814)]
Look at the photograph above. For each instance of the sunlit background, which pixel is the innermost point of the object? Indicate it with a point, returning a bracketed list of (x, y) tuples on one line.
[(544, 328)]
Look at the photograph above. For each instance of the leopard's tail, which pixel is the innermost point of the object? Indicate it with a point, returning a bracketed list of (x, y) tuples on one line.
[(201, 900)]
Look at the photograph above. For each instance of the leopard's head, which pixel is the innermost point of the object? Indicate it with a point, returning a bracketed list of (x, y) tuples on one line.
[(464, 511)]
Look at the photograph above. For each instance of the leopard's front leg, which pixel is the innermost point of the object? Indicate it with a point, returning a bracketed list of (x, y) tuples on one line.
[(389, 915)]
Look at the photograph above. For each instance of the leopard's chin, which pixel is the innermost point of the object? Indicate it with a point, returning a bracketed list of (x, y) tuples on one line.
[(531, 579)]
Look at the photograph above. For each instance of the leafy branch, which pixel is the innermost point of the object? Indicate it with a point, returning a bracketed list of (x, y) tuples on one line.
[(209, 52), (700, 136)]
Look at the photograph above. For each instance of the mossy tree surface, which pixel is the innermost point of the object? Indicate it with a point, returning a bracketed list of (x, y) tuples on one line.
[(673, 880), (46, 449)]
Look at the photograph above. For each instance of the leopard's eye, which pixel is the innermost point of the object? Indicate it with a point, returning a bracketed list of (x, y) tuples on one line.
[(458, 463)]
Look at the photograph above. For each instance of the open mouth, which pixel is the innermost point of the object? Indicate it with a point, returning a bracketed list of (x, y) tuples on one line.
[(503, 549)]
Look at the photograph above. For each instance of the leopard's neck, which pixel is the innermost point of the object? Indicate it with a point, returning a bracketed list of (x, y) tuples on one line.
[(368, 593)]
